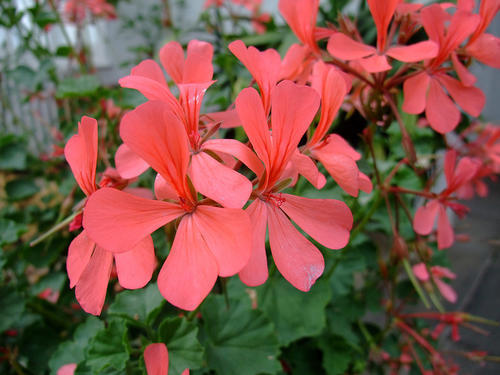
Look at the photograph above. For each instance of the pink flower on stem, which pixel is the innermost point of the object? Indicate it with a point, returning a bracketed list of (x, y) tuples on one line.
[(156, 360), (457, 175), (437, 273), (210, 241), (426, 90), (89, 265), (328, 221), (374, 60)]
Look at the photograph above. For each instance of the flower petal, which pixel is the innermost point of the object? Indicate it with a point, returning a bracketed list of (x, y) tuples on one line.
[(445, 234), (466, 77), (424, 219), (118, 221), (172, 59), (301, 15), (91, 289), (68, 369), (441, 112), (382, 12), (375, 64), (79, 252), (81, 153), (446, 291), (342, 168), (307, 168), (414, 52), (228, 118), (128, 164), (344, 48), (156, 359), (153, 133), (149, 69), (263, 66), (163, 190), (218, 182), (255, 272), (198, 65), (238, 150), (135, 267), (227, 234), (415, 93), (471, 99), (297, 259), (190, 270), (420, 271), (328, 221), (486, 49)]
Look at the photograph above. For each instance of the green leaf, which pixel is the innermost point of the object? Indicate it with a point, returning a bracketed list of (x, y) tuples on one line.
[(73, 351), (238, 340), (12, 153), (336, 355), (109, 351), (137, 304), (10, 231), (184, 349), (84, 85), (21, 188), (12, 307), (294, 313)]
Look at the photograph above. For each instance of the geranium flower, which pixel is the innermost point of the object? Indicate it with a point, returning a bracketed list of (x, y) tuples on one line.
[(89, 265), (156, 360), (328, 221), (456, 177), (437, 274), (372, 59), (210, 241)]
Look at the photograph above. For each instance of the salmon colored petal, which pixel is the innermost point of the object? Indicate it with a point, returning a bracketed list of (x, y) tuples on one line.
[(153, 133), (365, 184), (462, 25), (68, 369), (415, 93), (163, 190), (294, 107), (433, 19), (190, 97), (293, 62), (382, 12), (297, 259), (81, 153), (251, 112), (228, 118), (486, 49), (135, 267), (185, 372), (344, 48), (441, 112), (466, 77), (301, 15), (255, 272), (414, 52), (471, 99), (118, 221), (465, 171), (420, 271), (263, 66), (79, 252), (156, 359), (336, 144), (238, 150), (424, 219), (149, 69), (330, 85), (172, 59), (91, 289), (128, 164), (218, 182), (198, 65), (190, 270), (450, 161), (446, 291), (140, 192), (375, 64), (227, 234), (440, 272), (152, 90), (307, 168), (328, 221), (342, 168)]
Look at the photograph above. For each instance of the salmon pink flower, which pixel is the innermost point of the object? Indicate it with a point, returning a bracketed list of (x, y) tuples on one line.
[(89, 265), (328, 221), (372, 59), (456, 177), (210, 241), (156, 360), (68, 369), (437, 273)]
